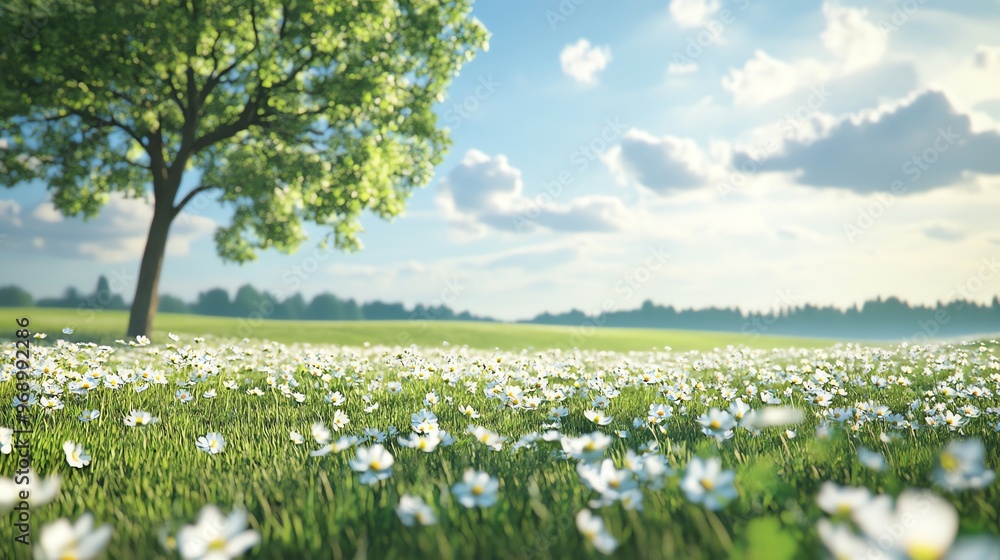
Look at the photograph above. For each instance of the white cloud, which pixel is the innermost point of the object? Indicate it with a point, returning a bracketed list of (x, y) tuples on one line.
[(692, 13), (582, 62), (764, 78), (10, 211), (484, 193), (852, 38), (117, 234), (662, 165)]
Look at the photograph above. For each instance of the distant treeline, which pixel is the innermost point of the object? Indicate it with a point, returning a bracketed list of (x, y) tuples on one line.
[(247, 302), (880, 318), (875, 319)]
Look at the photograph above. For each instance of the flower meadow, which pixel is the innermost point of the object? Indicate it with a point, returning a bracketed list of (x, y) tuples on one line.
[(213, 450)]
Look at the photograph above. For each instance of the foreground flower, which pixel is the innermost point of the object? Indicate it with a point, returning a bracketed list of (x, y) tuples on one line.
[(921, 525), (40, 492), (872, 459), (375, 464), (425, 443), (592, 529), (842, 500), (598, 417), (962, 466), (773, 416), (335, 447), (476, 489), (6, 440), (140, 418), (588, 447), (76, 456), (717, 423), (216, 537), (212, 442), (706, 483), (412, 510), (61, 540)]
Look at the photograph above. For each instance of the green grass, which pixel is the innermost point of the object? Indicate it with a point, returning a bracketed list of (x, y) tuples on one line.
[(107, 326)]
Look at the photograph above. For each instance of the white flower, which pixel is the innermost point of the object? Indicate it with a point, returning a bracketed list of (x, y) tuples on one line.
[(320, 433), (61, 540), (6, 440), (88, 415), (773, 416), (425, 443), (872, 459), (412, 510), (841, 500), (706, 483), (961, 466), (598, 417), (922, 524), (76, 456), (210, 394), (336, 447), (40, 491), (216, 537), (296, 438), (375, 464), (588, 447), (340, 420), (140, 418), (476, 489), (212, 443), (717, 423), (67, 330), (592, 529)]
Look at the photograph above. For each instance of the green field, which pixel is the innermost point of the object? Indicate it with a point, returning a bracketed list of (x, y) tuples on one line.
[(148, 482), (107, 326)]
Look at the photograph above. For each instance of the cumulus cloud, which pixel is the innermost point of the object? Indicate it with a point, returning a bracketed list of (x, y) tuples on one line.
[(582, 61), (852, 38), (764, 78), (660, 164), (117, 234), (484, 193), (919, 144), (854, 41), (692, 13)]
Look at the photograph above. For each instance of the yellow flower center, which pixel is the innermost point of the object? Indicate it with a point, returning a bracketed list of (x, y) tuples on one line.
[(707, 484), (217, 544), (376, 465), (924, 552), (949, 462), (477, 489), (69, 555), (714, 424), (614, 484), (589, 446), (138, 419)]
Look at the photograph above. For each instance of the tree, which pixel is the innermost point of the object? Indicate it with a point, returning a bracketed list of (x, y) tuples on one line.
[(324, 307), (214, 302), (172, 304), (14, 296), (289, 111)]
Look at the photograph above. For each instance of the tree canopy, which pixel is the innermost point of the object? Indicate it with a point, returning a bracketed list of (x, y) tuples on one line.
[(292, 111)]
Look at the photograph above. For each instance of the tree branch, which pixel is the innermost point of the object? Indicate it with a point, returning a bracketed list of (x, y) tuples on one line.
[(190, 196)]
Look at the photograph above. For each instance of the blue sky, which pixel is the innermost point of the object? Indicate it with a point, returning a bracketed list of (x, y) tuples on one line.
[(691, 152)]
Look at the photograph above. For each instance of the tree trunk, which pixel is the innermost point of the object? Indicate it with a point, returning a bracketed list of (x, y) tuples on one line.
[(147, 288)]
